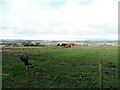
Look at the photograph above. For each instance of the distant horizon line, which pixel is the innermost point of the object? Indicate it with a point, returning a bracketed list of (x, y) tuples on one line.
[(68, 39)]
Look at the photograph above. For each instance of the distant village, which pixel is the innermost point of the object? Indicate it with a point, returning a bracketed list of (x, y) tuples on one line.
[(16, 43)]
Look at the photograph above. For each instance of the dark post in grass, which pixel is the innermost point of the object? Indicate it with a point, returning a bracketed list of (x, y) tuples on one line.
[(24, 58), (101, 74)]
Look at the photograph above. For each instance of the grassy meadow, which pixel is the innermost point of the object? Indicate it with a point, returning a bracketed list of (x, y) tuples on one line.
[(55, 67)]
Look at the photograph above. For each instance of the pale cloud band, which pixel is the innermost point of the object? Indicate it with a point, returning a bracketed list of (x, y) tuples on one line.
[(58, 19)]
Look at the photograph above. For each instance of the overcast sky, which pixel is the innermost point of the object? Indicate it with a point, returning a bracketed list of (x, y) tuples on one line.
[(59, 19)]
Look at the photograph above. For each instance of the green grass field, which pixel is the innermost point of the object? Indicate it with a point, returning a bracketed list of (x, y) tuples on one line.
[(54, 67)]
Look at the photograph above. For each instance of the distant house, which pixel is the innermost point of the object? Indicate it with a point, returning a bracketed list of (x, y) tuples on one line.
[(2, 45), (19, 44), (83, 44), (37, 44), (105, 44), (108, 44)]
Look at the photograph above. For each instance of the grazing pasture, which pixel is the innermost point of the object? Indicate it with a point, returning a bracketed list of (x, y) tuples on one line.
[(54, 67)]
